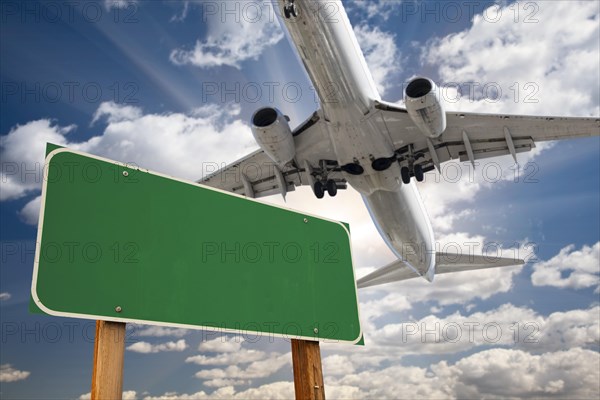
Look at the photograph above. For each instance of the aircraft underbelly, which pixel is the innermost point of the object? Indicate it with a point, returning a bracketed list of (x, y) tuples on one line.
[(403, 223), (337, 68)]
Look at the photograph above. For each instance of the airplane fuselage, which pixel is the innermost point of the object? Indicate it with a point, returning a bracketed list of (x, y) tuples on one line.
[(329, 50)]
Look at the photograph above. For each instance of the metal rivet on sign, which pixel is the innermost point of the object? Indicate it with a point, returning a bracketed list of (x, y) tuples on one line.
[(125, 173), (118, 309), (316, 330), (305, 220)]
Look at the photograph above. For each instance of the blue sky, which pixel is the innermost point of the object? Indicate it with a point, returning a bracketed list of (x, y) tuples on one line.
[(156, 84)]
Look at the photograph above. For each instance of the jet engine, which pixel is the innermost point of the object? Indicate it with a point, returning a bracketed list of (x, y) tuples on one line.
[(273, 134), (423, 103)]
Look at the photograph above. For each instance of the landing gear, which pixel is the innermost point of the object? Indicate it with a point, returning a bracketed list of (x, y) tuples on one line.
[(405, 173), (418, 171), (409, 158), (290, 10), (331, 188), (319, 190)]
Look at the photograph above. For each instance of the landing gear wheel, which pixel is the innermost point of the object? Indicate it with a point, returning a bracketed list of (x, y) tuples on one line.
[(419, 173), (319, 190), (405, 173), (331, 188)]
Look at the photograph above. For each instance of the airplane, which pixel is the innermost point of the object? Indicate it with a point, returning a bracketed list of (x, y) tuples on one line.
[(377, 147)]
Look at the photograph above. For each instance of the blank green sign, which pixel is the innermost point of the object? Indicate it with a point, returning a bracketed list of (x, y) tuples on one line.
[(123, 244)]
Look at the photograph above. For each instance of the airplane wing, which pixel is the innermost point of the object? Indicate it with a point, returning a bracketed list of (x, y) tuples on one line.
[(472, 136), (256, 175), (444, 263)]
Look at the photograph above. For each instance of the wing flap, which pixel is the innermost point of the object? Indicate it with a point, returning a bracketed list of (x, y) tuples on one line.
[(488, 135)]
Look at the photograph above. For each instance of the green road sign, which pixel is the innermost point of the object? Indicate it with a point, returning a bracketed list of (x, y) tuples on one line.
[(120, 243)]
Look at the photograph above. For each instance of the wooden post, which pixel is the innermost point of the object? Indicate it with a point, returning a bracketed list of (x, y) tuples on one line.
[(308, 373), (109, 349)]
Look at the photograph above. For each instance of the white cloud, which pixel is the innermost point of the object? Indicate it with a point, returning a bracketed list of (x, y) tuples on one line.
[(31, 212), (494, 373), (4, 296), (233, 39), (381, 54), (270, 391), (176, 144), (145, 347), (573, 374), (22, 155), (507, 325), (158, 331), (367, 9), (570, 268), (255, 370), (116, 112), (562, 69), (337, 365), (223, 344), (119, 4), (242, 356), (491, 374), (9, 374)]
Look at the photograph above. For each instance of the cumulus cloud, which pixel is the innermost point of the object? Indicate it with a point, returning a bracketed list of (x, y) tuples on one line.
[(494, 373), (223, 344), (22, 155), (570, 268), (337, 365), (562, 69), (233, 40), (146, 348), (270, 391), (4, 296), (31, 212), (114, 112), (9, 374), (177, 144), (507, 325), (242, 356), (254, 370), (158, 331), (492, 52), (381, 54)]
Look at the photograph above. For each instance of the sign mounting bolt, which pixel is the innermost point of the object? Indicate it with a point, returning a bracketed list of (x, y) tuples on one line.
[(125, 173), (316, 330), (306, 220), (118, 309)]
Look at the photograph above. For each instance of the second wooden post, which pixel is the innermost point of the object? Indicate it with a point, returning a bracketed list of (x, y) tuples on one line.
[(308, 372), (109, 349)]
